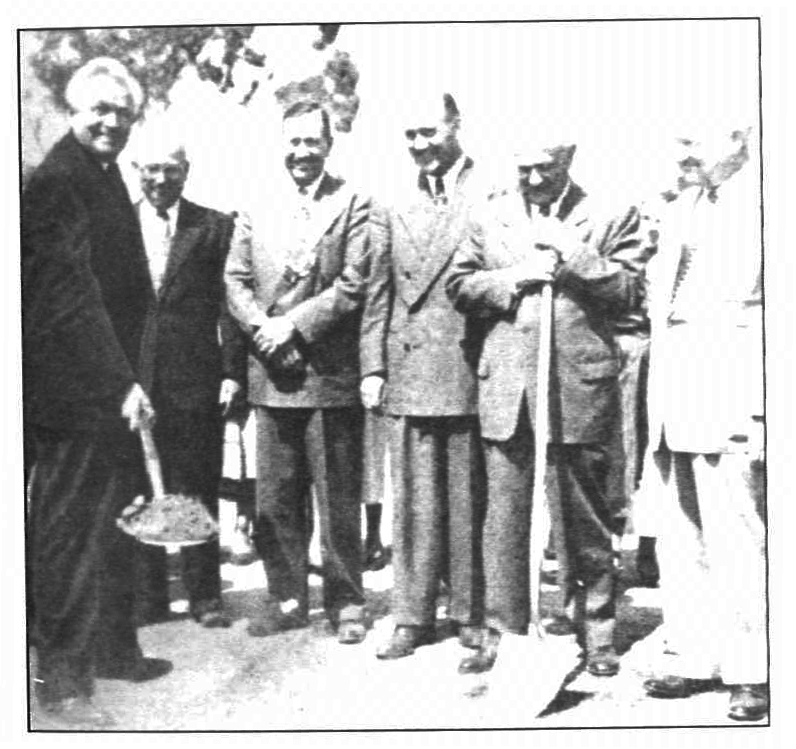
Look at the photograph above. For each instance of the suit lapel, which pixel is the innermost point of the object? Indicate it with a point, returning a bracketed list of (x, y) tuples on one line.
[(434, 232), (186, 237)]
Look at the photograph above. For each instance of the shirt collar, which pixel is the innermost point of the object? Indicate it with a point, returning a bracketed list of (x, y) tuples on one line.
[(311, 190), (450, 178), (173, 211)]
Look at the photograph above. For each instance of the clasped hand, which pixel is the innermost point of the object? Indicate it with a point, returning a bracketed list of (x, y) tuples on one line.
[(272, 334)]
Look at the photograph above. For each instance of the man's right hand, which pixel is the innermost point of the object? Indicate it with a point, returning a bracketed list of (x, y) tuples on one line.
[(371, 391), (137, 409), (538, 267)]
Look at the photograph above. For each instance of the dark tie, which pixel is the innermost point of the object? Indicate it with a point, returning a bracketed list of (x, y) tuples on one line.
[(162, 213), (544, 210), (439, 190)]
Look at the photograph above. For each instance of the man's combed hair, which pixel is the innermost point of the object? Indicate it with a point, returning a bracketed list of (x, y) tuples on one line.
[(102, 67), (300, 108), (451, 108)]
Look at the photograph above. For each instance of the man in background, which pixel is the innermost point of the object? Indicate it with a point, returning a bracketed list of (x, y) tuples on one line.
[(193, 359), (706, 427), (295, 282), (546, 230), (85, 294), (418, 362)]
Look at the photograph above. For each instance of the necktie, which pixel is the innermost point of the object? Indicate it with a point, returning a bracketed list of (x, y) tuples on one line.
[(160, 255), (439, 190)]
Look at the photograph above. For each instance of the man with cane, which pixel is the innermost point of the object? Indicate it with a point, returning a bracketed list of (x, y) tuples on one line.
[(543, 234)]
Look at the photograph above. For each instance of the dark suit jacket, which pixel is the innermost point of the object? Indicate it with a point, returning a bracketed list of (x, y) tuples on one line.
[(599, 282), (85, 291), (182, 363), (324, 305), (411, 334)]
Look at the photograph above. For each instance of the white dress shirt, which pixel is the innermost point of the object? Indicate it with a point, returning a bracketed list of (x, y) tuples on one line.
[(157, 233)]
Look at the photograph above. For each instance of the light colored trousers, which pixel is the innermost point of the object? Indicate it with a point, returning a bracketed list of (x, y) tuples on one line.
[(711, 553)]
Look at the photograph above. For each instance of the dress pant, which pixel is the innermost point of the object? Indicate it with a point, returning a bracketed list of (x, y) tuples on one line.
[(711, 553), (582, 524), (629, 442), (82, 563), (438, 505), (298, 448), (190, 446), (374, 458)]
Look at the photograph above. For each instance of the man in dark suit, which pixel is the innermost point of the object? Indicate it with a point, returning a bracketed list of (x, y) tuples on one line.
[(423, 353), (295, 282), (193, 359), (546, 231), (85, 295)]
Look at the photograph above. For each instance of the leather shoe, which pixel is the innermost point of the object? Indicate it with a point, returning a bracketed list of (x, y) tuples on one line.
[(603, 662), (671, 687), (404, 640), (351, 632), (748, 702), (484, 658), (77, 712), (470, 636), (213, 619), (143, 669), (278, 623)]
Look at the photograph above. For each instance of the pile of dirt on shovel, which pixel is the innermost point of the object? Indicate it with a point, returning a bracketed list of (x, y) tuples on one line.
[(170, 519)]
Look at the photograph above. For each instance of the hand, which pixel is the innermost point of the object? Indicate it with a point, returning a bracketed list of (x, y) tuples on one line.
[(273, 333), (137, 409), (538, 266), (371, 391), (226, 396)]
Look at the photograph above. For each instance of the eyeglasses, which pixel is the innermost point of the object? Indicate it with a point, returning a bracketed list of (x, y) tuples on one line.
[(169, 171), (423, 132), (123, 114)]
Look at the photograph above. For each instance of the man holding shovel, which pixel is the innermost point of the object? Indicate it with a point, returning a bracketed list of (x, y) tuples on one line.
[(85, 295), (542, 234)]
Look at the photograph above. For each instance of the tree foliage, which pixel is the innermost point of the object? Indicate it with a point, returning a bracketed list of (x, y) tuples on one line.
[(157, 56)]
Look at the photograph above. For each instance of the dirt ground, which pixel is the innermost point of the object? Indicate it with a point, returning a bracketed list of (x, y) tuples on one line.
[(224, 680)]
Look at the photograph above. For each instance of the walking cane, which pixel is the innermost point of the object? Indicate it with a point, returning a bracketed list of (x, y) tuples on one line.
[(541, 430)]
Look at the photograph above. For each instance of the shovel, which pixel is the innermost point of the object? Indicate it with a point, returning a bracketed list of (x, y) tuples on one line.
[(150, 522), (530, 670)]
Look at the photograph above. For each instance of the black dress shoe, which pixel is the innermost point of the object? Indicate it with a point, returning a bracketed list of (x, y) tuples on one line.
[(351, 632), (748, 702), (671, 687), (143, 669), (471, 636), (277, 623), (76, 713), (404, 640), (484, 658), (603, 662)]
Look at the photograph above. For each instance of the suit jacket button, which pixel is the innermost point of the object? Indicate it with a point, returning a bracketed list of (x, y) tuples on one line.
[(407, 347), (407, 274)]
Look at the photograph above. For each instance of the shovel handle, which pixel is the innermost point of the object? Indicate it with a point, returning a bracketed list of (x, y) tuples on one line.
[(539, 509), (152, 460)]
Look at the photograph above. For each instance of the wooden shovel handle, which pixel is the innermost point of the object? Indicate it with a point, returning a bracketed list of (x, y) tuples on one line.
[(152, 460), (541, 428)]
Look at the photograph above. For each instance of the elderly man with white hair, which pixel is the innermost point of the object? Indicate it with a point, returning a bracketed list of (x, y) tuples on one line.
[(85, 294), (544, 229), (706, 426), (192, 363)]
